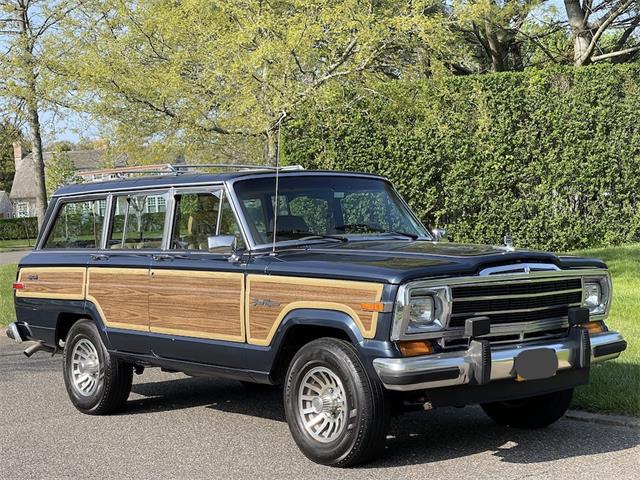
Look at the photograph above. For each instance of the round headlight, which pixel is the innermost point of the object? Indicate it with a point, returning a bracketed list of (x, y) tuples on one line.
[(422, 310)]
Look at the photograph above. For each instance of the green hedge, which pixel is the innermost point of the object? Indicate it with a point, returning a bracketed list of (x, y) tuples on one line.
[(551, 157), (18, 228)]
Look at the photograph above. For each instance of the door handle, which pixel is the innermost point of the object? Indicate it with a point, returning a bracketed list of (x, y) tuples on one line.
[(161, 256), (99, 256)]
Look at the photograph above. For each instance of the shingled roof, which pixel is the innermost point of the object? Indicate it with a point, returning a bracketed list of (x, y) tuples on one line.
[(83, 160)]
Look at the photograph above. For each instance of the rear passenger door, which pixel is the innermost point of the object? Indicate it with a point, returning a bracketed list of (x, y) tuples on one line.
[(118, 275), (196, 298)]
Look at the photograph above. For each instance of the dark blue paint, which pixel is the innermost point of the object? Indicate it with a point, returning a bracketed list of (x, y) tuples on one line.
[(373, 260)]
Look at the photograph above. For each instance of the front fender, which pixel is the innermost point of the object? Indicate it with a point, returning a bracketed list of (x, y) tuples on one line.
[(367, 349)]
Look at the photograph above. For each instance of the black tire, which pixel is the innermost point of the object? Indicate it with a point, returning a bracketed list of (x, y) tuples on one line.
[(366, 413), (113, 382), (532, 412)]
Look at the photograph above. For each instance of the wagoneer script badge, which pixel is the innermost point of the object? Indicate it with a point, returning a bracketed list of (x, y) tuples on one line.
[(260, 302)]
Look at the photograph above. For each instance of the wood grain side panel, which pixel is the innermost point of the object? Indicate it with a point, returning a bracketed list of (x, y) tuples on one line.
[(197, 304), (270, 298), (121, 295), (52, 282)]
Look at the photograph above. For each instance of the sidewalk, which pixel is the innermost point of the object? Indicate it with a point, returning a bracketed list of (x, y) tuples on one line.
[(12, 257)]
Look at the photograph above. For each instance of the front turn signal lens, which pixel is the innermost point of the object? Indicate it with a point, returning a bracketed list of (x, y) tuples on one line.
[(594, 327), (372, 307), (413, 348)]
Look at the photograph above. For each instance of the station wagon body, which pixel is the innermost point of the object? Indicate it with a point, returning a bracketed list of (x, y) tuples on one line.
[(351, 304)]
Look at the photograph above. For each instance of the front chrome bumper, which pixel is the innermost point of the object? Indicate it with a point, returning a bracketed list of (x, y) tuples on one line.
[(457, 368)]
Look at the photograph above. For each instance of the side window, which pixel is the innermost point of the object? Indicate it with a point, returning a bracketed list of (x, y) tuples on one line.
[(138, 221), (78, 225), (196, 219), (229, 225)]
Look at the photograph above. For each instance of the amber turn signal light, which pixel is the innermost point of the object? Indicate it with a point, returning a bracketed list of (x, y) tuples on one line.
[(594, 327), (372, 307), (413, 348)]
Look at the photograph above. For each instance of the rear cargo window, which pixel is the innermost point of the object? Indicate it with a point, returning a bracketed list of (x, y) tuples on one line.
[(78, 225)]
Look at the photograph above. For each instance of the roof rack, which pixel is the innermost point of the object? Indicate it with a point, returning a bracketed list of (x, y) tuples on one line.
[(179, 169)]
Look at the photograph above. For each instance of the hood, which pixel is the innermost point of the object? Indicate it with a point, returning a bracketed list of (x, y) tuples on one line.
[(399, 261)]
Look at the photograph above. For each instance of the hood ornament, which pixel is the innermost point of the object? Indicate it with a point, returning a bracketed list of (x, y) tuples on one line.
[(508, 243), (507, 246)]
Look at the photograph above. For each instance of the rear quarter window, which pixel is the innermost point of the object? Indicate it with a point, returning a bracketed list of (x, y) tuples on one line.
[(77, 225)]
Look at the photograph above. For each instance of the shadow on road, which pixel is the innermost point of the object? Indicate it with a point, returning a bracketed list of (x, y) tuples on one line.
[(414, 438)]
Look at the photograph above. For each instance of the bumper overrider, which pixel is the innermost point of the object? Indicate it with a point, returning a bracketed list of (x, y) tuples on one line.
[(482, 363)]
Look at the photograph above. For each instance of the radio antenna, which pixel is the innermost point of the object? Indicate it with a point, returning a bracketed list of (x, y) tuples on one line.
[(276, 206)]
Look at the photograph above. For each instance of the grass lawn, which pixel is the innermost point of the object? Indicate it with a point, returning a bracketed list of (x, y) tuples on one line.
[(615, 385), (16, 244), (7, 277)]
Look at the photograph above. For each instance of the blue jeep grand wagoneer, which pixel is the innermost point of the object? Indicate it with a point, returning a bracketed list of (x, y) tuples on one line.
[(325, 282)]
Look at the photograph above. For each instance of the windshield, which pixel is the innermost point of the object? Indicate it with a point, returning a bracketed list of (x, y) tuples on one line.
[(329, 206)]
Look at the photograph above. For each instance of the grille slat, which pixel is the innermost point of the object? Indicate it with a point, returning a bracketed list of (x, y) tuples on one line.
[(517, 301)]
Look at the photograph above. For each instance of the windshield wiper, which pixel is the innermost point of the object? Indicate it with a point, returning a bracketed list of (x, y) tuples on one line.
[(412, 236), (325, 237), (366, 228)]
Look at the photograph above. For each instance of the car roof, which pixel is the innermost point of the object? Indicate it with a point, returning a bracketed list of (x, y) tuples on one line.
[(190, 179)]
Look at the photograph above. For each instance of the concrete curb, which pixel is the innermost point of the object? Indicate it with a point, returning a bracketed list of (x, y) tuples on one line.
[(604, 419)]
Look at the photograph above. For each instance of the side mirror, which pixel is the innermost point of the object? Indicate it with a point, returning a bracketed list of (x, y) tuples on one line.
[(440, 235), (222, 244)]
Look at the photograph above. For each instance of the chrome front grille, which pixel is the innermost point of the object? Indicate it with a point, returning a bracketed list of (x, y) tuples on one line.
[(515, 301)]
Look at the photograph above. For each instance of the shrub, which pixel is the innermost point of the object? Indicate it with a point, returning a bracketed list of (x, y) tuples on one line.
[(551, 156), (18, 228)]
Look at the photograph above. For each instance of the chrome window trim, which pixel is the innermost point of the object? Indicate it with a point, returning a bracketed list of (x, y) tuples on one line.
[(230, 194), (401, 320), (60, 201)]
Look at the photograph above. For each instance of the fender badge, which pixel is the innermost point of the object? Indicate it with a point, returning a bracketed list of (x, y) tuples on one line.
[(260, 302)]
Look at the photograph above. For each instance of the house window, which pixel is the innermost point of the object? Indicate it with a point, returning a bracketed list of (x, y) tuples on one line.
[(22, 209), (156, 204)]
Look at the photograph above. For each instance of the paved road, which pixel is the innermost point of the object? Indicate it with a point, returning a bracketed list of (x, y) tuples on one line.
[(12, 257), (180, 427)]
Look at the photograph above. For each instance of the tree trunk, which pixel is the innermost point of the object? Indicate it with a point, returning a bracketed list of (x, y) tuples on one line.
[(271, 147), (495, 49), (581, 43), (33, 120), (580, 32), (31, 102)]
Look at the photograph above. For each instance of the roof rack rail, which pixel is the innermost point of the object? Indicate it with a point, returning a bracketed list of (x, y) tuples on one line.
[(177, 169)]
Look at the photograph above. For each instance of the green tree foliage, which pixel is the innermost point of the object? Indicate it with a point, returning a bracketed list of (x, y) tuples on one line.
[(548, 156), (26, 82), (59, 170), (8, 135), (200, 70)]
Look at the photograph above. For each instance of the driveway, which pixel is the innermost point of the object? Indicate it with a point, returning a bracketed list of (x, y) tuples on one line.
[(12, 257), (180, 427)]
